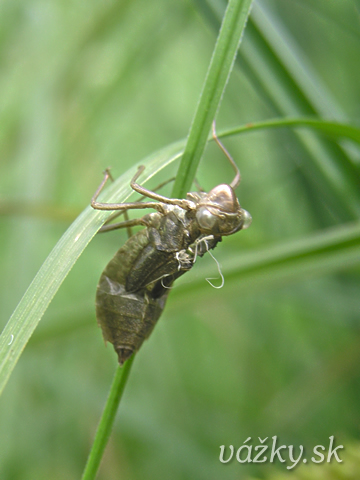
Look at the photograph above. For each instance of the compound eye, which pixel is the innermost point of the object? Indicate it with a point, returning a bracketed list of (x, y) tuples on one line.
[(206, 219), (247, 219)]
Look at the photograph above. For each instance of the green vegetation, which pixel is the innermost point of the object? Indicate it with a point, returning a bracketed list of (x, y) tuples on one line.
[(276, 351)]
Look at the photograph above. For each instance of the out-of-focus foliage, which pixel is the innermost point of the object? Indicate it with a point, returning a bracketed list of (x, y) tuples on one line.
[(348, 469), (85, 85)]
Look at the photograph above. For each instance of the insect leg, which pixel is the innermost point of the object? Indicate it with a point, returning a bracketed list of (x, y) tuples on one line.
[(125, 224), (237, 178), (100, 188), (134, 205), (198, 186), (123, 212), (128, 223), (113, 216), (122, 206), (185, 204)]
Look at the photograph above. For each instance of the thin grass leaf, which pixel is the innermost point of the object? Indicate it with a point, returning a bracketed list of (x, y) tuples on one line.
[(336, 130), (218, 74), (36, 299), (270, 58), (333, 129), (296, 64), (331, 250), (107, 419), (299, 91), (58, 264)]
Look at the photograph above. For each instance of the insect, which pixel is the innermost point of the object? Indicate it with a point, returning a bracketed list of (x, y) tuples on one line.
[(135, 284)]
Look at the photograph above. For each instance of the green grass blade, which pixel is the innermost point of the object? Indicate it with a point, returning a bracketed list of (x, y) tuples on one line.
[(327, 251), (296, 89), (333, 129), (58, 264), (107, 419), (218, 74), (221, 64), (284, 46), (270, 58), (36, 299)]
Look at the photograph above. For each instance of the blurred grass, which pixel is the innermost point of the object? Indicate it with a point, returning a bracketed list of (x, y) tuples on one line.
[(85, 86), (331, 471)]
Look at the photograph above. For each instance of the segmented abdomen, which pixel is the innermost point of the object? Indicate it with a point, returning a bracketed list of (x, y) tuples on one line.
[(126, 319)]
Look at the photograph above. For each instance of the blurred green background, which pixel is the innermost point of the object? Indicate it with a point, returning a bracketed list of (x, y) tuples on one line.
[(86, 85)]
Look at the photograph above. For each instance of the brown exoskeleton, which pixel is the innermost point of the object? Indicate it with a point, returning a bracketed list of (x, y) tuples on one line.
[(134, 286)]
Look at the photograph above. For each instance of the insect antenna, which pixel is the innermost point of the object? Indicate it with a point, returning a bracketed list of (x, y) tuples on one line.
[(235, 183)]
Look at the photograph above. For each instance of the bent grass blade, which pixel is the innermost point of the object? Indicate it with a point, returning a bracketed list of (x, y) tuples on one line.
[(36, 299)]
